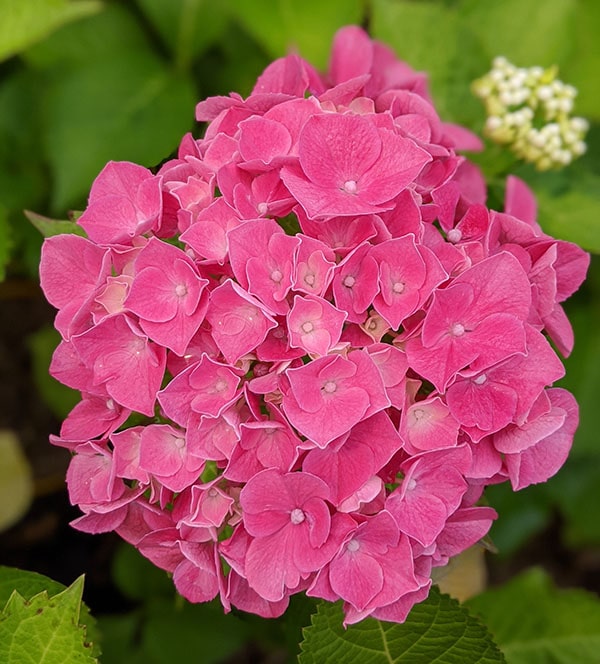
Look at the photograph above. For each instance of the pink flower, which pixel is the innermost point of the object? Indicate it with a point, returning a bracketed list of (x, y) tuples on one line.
[(314, 324), (431, 490), (373, 568), (407, 276), (289, 520), (168, 295), (206, 387), (475, 322), (122, 359), (328, 396), (536, 450), (125, 201), (239, 321), (349, 166), (429, 425), (328, 343)]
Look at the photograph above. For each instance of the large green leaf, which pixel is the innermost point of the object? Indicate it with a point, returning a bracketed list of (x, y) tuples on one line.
[(583, 365), (524, 514), (95, 116), (234, 66), (22, 182), (187, 27), (576, 492), (527, 32), (536, 623), (298, 26), (23, 22), (574, 214), (437, 630), (434, 38), (109, 96), (138, 578), (45, 630), (26, 583), (172, 632), (583, 65), (89, 41)]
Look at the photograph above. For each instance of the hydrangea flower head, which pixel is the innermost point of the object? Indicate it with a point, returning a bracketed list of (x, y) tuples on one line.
[(330, 344)]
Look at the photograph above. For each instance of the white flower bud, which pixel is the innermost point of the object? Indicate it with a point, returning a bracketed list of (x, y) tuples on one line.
[(544, 92)]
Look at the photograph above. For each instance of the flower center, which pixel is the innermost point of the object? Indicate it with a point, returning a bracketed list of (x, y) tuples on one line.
[(480, 380), (454, 235), (350, 186), (220, 385), (179, 443), (310, 279), (276, 276), (398, 287), (353, 545), (262, 208), (307, 327), (418, 414), (330, 387), (297, 516), (349, 281), (180, 290), (457, 330)]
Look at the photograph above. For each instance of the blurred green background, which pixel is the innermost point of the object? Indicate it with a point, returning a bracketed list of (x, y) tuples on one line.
[(88, 81)]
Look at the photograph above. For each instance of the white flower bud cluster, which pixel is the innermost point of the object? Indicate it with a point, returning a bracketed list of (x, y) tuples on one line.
[(529, 111)]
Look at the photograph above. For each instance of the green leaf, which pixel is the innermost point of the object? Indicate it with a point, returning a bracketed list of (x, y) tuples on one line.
[(87, 129), (23, 182), (119, 633), (583, 65), (234, 65), (575, 214), (172, 632), (521, 515), (49, 227), (187, 27), (456, 60), (24, 22), (507, 28), (88, 41), (583, 368), (16, 483), (45, 630), (138, 578), (577, 493), (297, 26), (536, 623), (438, 629), (26, 583), (119, 101)]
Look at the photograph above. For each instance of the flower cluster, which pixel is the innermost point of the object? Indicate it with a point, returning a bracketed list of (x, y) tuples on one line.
[(305, 345), (529, 111)]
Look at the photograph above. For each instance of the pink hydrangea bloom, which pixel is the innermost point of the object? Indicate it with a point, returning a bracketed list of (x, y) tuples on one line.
[(330, 343)]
